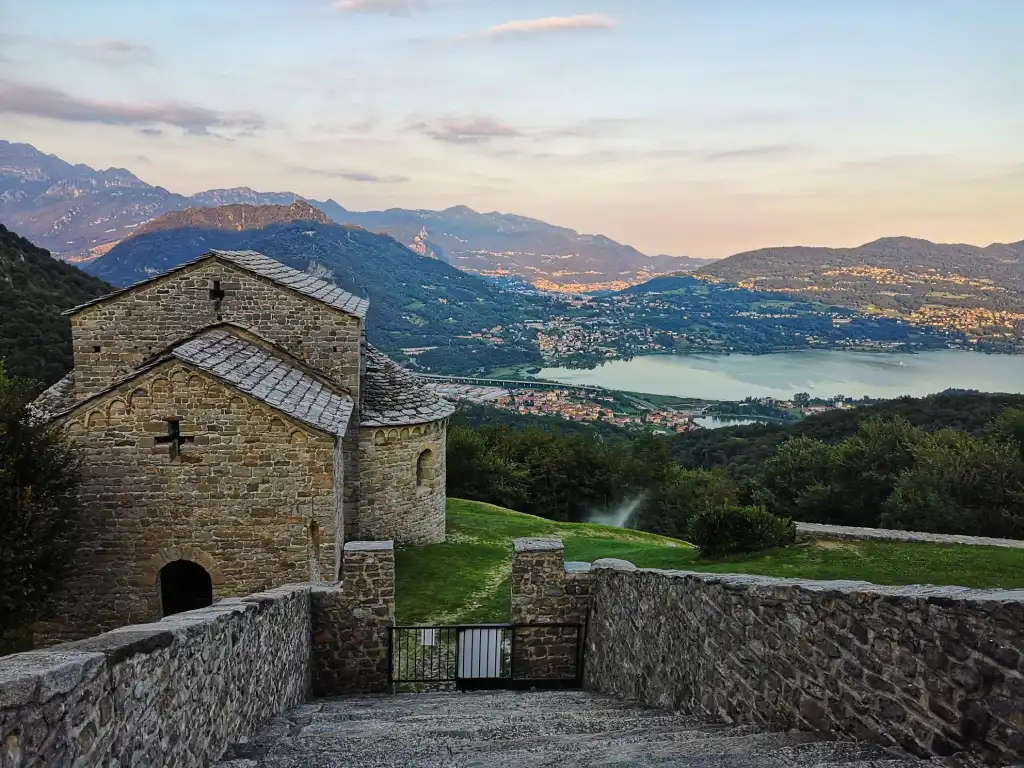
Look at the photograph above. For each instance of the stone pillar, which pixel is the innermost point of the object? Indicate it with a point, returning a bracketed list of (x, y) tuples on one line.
[(547, 590), (352, 622)]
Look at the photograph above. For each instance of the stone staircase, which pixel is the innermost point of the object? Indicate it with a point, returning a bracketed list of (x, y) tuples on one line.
[(506, 729)]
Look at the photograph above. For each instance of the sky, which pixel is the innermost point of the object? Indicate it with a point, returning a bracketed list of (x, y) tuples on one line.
[(688, 128)]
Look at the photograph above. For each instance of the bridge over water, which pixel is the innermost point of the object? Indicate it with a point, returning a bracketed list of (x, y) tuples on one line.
[(510, 384)]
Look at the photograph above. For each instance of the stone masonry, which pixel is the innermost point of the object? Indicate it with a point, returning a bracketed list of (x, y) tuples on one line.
[(179, 691), (931, 670), (236, 429), (176, 692), (112, 338), (352, 622), (547, 590), (250, 498), (402, 482)]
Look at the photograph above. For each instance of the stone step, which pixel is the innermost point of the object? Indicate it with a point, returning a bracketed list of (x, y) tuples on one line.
[(567, 729)]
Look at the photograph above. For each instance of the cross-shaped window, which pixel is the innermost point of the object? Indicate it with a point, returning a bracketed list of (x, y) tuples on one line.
[(216, 293), (174, 438)]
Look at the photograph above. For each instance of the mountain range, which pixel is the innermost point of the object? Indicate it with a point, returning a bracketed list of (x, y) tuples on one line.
[(79, 213), (975, 290)]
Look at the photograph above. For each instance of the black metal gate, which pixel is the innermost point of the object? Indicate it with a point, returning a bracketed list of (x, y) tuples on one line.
[(477, 656)]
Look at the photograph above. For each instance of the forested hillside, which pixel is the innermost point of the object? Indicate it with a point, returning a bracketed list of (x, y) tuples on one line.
[(950, 463), (35, 340)]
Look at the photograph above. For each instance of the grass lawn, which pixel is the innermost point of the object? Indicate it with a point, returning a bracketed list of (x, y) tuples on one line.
[(466, 579)]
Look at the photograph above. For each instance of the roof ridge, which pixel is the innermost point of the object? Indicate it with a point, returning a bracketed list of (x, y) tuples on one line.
[(263, 266)]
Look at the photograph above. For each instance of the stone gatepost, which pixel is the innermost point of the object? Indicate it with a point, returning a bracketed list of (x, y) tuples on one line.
[(352, 622), (547, 590)]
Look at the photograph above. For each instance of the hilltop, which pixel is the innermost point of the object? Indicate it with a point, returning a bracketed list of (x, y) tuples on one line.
[(235, 217), (35, 340), (976, 290)]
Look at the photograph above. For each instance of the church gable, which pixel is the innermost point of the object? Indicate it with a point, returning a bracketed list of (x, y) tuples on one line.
[(113, 336), (175, 457)]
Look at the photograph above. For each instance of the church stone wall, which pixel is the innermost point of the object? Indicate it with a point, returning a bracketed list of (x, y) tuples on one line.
[(112, 338), (251, 499), (401, 497)]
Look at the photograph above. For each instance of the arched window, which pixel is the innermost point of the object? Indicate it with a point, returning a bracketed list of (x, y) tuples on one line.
[(184, 586), (425, 468)]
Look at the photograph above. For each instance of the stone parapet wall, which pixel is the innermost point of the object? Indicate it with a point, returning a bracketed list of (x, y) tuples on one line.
[(401, 484), (352, 622), (176, 692), (931, 670), (547, 590)]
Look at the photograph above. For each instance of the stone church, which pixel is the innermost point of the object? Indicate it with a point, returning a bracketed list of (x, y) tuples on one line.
[(235, 428)]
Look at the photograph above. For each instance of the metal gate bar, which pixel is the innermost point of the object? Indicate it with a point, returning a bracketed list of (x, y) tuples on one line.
[(469, 656)]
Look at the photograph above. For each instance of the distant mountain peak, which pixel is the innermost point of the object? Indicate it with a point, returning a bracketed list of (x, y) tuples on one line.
[(235, 217), (460, 210)]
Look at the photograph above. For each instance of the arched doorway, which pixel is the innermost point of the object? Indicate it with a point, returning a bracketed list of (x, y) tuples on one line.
[(184, 586)]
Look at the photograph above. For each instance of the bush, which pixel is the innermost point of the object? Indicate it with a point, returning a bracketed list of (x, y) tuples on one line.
[(38, 478), (729, 529)]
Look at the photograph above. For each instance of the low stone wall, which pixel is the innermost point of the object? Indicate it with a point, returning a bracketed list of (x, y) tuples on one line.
[(822, 531), (352, 622), (932, 670), (547, 590), (181, 690), (177, 691)]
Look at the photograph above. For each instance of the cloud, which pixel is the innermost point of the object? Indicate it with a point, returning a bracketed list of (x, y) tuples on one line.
[(523, 27), (151, 131), (114, 51), (361, 177), (392, 7), (744, 153), (466, 130), (43, 101)]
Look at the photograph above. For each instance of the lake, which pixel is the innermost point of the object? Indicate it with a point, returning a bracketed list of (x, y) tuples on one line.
[(821, 373)]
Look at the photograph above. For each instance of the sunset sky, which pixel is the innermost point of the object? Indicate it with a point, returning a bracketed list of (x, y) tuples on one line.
[(690, 128)]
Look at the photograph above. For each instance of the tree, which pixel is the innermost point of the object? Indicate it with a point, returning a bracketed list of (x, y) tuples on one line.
[(797, 480), (682, 495), (867, 466), (38, 479), (960, 483), (1008, 427), (801, 399)]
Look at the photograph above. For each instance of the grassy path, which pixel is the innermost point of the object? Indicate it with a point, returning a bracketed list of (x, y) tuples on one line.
[(466, 579)]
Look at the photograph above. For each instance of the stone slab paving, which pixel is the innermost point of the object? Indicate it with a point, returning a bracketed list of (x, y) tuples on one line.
[(504, 729), (818, 530)]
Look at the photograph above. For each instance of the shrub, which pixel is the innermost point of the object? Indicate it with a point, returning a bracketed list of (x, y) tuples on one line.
[(729, 529), (38, 477)]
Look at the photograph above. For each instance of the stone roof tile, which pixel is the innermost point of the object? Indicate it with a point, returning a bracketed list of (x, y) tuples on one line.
[(268, 378), (390, 395)]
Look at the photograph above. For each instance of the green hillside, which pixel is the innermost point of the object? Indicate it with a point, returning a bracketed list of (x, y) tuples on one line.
[(466, 579), (35, 340)]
